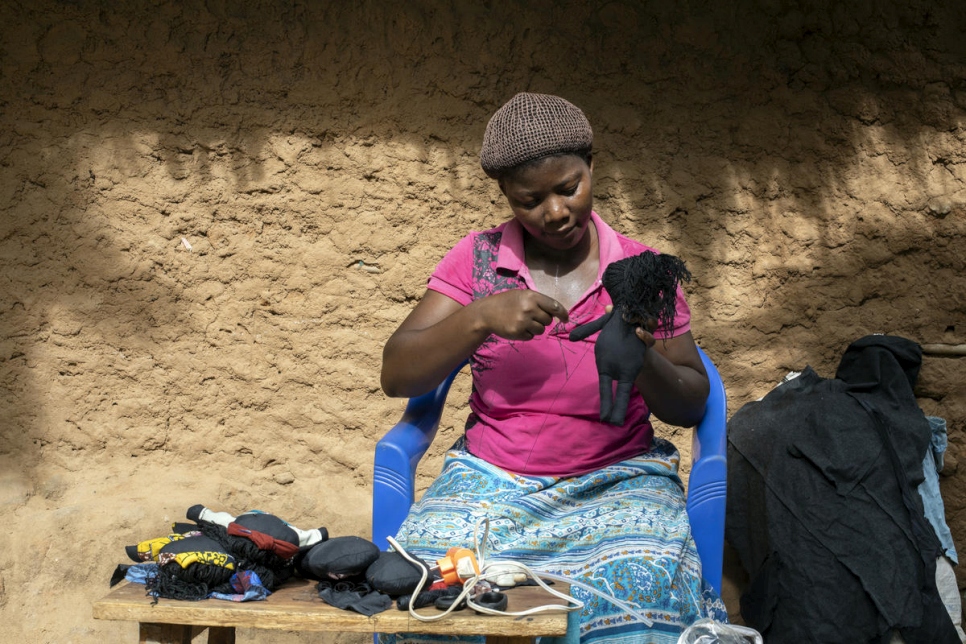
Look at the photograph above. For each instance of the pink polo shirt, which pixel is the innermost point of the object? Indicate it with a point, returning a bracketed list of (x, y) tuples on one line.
[(536, 404)]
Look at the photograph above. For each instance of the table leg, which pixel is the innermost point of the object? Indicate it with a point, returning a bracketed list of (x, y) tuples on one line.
[(165, 633), (221, 635), (182, 634)]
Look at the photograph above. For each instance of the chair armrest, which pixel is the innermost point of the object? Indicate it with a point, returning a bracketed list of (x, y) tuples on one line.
[(397, 455), (707, 484)]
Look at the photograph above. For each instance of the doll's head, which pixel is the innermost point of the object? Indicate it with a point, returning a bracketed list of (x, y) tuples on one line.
[(644, 287)]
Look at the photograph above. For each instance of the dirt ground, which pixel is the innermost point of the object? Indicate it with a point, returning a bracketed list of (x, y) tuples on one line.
[(215, 213)]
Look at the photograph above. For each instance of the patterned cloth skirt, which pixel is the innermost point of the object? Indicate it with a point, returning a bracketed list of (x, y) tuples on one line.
[(622, 530)]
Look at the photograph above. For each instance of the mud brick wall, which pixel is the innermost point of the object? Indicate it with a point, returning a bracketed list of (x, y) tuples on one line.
[(213, 214)]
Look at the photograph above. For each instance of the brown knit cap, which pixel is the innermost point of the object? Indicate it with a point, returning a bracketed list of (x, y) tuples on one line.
[(530, 126)]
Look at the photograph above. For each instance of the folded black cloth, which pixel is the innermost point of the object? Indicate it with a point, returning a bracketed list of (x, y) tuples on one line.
[(355, 596)]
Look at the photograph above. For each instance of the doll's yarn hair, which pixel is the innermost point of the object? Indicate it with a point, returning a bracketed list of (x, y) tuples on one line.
[(272, 569), (193, 583), (645, 286)]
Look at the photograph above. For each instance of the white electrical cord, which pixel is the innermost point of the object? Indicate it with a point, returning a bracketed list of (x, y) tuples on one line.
[(499, 569), (609, 598), (548, 575), (573, 604), (470, 583), (419, 587)]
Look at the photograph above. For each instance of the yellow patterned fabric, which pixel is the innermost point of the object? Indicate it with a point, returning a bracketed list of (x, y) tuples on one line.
[(149, 550), (185, 559)]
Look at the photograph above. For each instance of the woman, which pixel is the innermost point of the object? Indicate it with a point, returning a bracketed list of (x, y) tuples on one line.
[(564, 492)]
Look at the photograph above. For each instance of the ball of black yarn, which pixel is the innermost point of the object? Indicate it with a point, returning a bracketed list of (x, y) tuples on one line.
[(338, 558)]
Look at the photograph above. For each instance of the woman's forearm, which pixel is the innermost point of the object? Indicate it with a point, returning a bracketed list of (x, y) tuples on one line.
[(441, 333), (674, 393), (417, 358)]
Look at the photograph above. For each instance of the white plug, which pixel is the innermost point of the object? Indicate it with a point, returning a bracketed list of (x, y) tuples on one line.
[(505, 575)]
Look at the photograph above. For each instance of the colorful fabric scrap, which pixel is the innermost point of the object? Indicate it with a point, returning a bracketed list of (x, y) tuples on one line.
[(247, 586)]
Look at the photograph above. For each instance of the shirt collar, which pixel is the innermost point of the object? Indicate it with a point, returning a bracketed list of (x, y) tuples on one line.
[(512, 258)]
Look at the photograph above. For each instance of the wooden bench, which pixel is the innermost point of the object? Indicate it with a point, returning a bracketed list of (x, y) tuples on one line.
[(296, 607)]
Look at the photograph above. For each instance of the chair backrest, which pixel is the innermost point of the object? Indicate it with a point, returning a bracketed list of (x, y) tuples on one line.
[(707, 482), (398, 453)]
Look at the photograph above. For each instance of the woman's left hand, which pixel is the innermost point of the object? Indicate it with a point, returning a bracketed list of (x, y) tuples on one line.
[(673, 382), (643, 330)]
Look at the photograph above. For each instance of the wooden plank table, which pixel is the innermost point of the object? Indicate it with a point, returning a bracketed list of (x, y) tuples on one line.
[(296, 607)]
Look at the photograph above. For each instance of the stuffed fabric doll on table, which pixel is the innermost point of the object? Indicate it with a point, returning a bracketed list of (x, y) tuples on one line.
[(188, 565), (219, 555), (643, 289), (258, 541)]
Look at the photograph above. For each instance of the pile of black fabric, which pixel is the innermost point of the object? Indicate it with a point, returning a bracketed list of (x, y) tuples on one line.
[(258, 541), (823, 506)]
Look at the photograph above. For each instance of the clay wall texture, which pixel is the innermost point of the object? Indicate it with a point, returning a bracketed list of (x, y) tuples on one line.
[(213, 215)]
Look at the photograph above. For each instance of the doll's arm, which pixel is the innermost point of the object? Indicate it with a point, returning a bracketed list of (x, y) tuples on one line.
[(586, 330)]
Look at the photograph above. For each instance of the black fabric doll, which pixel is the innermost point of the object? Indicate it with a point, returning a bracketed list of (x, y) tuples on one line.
[(259, 541), (190, 565), (643, 289)]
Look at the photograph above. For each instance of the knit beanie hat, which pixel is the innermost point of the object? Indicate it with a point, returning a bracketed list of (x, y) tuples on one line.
[(531, 126)]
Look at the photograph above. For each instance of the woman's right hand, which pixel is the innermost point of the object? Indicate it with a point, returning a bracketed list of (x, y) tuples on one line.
[(519, 314), (440, 333)]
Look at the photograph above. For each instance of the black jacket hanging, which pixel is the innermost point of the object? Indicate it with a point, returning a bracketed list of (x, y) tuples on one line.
[(823, 506)]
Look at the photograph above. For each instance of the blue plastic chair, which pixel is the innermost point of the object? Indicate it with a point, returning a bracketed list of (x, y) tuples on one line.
[(399, 451)]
